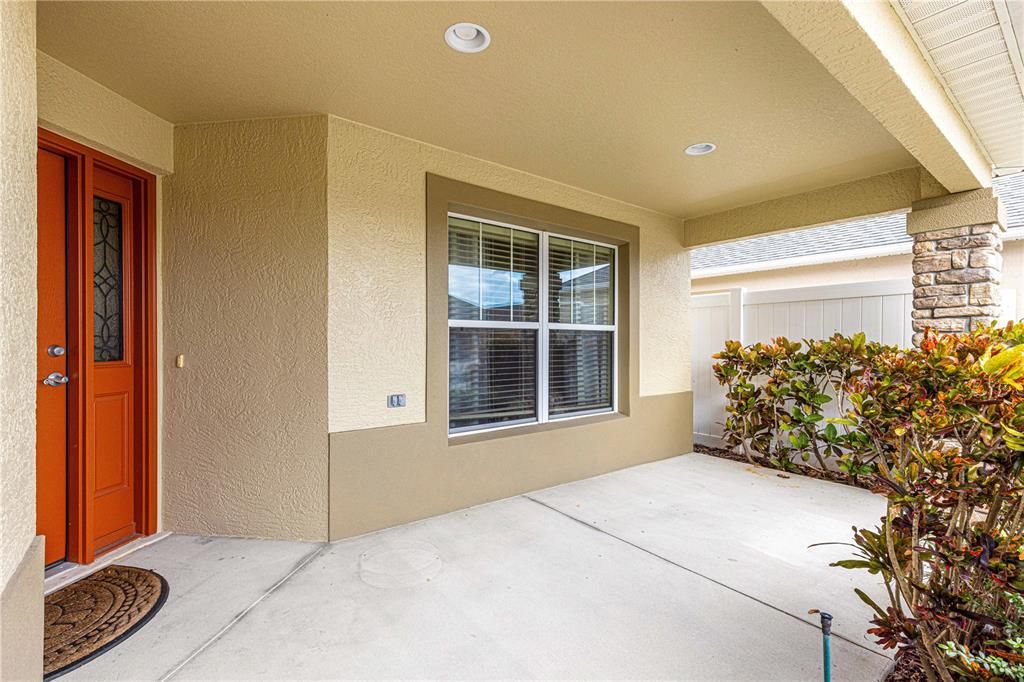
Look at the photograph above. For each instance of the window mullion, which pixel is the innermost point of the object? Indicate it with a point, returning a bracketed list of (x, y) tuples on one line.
[(480, 271), (492, 324), (572, 281), (511, 275), (542, 333)]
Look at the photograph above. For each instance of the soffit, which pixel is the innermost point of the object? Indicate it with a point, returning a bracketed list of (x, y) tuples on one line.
[(601, 96), (972, 46)]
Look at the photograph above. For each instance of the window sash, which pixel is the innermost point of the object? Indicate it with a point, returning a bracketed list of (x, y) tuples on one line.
[(544, 329)]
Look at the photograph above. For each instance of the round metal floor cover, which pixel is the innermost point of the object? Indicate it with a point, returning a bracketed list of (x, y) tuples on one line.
[(403, 564)]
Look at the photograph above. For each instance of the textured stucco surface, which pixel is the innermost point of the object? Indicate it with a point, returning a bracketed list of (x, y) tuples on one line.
[(845, 272), (245, 301), (978, 207), (869, 196), (74, 105), (21, 556), (376, 276), (854, 271), (870, 52), (607, 106), (21, 618), (17, 284)]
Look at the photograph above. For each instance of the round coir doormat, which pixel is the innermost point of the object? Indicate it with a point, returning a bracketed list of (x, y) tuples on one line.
[(96, 613)]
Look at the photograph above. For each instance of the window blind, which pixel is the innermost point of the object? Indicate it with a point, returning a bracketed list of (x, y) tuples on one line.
[(492, 376), (510, 359)]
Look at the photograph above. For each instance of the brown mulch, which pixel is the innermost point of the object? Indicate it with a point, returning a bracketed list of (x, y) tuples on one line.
[(908, 668), (801, 469)]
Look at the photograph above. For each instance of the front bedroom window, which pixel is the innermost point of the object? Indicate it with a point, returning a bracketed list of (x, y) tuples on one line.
[(531, 326)]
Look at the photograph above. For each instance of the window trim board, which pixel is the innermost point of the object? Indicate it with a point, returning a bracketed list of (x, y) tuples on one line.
[(543, 328), (444, 196)]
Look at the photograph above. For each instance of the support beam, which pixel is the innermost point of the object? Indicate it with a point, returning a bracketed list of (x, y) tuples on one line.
[(978, 207), (879, 194), (866, 47)]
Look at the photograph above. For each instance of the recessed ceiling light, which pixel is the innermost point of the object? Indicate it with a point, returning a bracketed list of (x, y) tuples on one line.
[(701, 148), (467, 37)]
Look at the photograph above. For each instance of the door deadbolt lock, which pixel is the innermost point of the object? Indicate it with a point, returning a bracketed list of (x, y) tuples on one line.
[(55, 351), (55, 379)]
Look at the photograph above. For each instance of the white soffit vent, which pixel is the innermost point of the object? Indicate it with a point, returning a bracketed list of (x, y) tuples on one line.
[(973, 48)]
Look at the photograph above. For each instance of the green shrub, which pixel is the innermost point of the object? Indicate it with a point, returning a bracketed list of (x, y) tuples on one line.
[(939, 431), (946, 424), (778, 394)]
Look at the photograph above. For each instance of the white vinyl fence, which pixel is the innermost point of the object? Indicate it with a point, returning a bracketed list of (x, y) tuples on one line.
[(880, 309)]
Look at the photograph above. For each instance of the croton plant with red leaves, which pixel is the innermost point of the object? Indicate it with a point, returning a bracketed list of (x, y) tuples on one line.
[(939, 431), (946, 422)]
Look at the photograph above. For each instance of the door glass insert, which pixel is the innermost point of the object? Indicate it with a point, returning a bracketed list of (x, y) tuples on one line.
[(107, 280)]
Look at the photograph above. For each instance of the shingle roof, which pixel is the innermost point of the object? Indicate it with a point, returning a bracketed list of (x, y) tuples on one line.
[(879, 231)]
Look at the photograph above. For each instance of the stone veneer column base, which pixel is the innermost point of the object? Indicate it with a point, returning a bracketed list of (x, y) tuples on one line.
[(957, 277)]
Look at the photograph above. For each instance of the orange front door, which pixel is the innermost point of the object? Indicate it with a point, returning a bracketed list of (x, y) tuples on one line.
[(51, 363), (96, 414), (113, 358)]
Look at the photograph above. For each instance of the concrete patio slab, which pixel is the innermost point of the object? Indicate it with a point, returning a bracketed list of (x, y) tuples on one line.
[(212, 581), (741, 525), (513, 589)]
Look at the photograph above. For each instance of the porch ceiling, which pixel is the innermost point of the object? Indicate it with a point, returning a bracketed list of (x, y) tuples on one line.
[(601, 96)]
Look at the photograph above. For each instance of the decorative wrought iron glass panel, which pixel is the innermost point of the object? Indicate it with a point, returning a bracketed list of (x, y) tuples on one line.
[(107, 280)]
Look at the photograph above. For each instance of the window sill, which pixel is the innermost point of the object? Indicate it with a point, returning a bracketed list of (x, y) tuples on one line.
[(468, 437)]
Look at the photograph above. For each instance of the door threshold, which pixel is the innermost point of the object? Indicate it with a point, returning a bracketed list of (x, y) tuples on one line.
[(63, 574)]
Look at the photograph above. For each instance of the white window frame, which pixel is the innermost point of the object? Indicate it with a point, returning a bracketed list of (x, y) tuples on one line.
[(543, 328)]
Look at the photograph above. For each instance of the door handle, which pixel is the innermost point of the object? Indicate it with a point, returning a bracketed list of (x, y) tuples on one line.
[(55, 379)]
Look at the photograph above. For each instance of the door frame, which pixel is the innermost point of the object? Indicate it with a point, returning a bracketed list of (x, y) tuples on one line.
[(81, 432)]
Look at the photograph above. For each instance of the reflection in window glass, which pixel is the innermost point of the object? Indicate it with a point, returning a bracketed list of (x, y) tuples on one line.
[(580, 282), (492, 376), (580, 371), (604, 285), (499, 349), (463, 270), (525, 280), (583, 283), (496, 272), (559, 280), (492, 272)]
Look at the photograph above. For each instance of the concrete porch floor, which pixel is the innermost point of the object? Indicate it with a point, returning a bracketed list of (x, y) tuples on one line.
[(688, 568)]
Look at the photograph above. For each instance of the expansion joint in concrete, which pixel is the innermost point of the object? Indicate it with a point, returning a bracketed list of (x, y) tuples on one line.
[(799, 617), (302, 563)]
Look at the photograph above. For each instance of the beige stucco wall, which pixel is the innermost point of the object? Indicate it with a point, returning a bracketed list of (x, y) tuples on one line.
[(846, 272), (18, 283), (21, 618), (886, 193), (852, 272), (20, 566), (78, 107), (245, 301), (376, 276), (1013, 271)]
